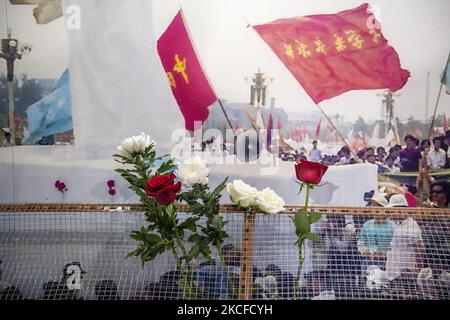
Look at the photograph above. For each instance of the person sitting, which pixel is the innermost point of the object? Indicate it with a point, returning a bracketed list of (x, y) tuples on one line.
[(376, 235), (406, 244), (436, 230), (11, 293), (69, 285), (316, 287), (106, 290), (7, 141)]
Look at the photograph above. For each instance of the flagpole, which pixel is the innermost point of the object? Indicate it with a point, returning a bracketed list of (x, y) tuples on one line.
[(438, 98), (434, 113), (337, 131), (225, 113)]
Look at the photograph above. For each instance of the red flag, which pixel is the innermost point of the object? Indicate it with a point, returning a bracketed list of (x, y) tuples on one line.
[(318, 128), (269, 131), (189, 84), (280, 125), (330, 54)]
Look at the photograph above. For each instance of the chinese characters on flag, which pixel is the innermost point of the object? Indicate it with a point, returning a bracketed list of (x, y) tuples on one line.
[(189, 84), (330, 54)]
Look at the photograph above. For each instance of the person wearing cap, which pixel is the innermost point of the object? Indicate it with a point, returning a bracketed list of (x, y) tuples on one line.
[(7, 141), (406, 244), (70, 272), (376, 235)]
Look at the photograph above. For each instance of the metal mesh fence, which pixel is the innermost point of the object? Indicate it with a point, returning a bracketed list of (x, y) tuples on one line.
[(81, 255)]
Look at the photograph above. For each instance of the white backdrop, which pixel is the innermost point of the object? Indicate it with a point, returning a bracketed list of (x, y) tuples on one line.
[(36, 169), (118, 85)]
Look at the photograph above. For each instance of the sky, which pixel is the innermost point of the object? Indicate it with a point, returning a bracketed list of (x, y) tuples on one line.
[(231, 53)]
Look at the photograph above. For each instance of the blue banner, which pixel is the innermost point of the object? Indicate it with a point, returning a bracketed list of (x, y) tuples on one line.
[(52, 114)]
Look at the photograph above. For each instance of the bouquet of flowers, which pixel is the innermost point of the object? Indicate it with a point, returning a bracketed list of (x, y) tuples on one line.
[(162, 189)]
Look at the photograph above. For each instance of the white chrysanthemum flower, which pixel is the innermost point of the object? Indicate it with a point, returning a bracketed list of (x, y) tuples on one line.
[(193, 171), (135, 144), (241, 193), (268, 201)]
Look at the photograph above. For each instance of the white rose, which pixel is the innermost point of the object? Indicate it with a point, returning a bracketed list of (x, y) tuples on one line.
[(241, 193), (193, 171), (268, 201), (135, 144)]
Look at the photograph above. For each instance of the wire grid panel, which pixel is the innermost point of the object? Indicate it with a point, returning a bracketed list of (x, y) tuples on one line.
[(355, 258), (40, 251)]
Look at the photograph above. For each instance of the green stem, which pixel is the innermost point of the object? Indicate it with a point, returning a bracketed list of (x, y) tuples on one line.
[(299, 271), (177, 260), (300, 246), (181, 269), (225, 267), (188, 275), (308, 188)]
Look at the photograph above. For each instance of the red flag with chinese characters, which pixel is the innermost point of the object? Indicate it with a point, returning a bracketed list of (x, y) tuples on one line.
[(330, 54), (189, 84)]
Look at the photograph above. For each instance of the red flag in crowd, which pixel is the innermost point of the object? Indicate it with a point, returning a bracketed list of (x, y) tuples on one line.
[(330, 54), (189, 84), (318, 128), (445, 123), (269, 131), (280, 126)]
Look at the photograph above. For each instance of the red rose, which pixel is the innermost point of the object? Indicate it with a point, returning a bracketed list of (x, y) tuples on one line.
[(163, 189), (310, 172)]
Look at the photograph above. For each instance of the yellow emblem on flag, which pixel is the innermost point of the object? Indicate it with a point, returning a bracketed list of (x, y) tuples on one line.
[(339, 43), (171, 79), (288, 50), (320, 46), (180, 67), (302, 49), (354, 38)]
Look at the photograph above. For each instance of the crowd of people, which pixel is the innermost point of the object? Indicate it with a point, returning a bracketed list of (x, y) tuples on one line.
[(393, 160)]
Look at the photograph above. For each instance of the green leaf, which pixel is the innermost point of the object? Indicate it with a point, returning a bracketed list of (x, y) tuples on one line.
[(130, 254), (314, 217), (312, 237), (301, 222), (219, 188), (190, 224)]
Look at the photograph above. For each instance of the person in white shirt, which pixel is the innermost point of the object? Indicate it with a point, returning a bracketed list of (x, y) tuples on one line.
[(390, 165), (436, 156), (406, 244), (315, 154)]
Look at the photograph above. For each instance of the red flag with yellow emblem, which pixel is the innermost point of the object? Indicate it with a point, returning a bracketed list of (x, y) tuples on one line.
[(330, 54), (187, 80)]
